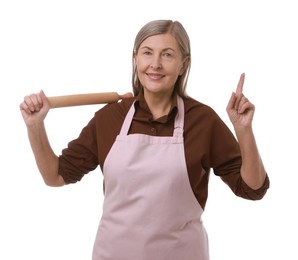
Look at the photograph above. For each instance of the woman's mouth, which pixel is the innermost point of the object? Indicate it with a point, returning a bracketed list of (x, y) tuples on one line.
[(155, 76)]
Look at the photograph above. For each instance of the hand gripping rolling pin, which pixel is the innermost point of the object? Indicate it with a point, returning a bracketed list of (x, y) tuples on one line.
[(86, 99)]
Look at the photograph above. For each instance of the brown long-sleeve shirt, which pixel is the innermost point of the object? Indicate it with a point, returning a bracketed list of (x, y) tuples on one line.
[(208, 143)]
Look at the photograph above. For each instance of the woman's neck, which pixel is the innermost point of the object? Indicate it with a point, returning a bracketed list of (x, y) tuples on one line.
[(159, 104)]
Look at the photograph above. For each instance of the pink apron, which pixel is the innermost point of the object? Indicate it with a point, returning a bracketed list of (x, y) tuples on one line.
[(149, 210)]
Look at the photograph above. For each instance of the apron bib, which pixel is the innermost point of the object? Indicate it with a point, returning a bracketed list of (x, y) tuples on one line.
[(149, 210)]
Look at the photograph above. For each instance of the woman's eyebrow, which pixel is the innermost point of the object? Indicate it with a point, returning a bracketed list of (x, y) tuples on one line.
[(165, 49)]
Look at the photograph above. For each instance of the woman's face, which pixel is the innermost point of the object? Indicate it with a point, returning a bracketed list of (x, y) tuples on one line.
[(159, 63)]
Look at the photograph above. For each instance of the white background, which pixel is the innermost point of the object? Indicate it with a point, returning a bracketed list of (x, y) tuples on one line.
[(71, 46)]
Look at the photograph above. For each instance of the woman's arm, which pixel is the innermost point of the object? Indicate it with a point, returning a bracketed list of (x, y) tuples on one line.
[(241, 112), (34, 109)]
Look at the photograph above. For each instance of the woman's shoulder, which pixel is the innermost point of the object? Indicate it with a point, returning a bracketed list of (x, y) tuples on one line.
[(119, 108), (194, 106)]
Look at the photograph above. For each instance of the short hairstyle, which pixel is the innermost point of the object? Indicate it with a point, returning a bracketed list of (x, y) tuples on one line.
[(156, 27)]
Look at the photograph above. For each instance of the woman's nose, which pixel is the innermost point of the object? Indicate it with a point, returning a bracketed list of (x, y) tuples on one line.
[(155, 62)]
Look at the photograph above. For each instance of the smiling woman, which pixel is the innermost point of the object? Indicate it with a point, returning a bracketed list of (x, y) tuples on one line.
[(159, 63), (156, 182)]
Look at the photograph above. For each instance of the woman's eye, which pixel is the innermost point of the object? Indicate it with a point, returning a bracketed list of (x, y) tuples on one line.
[(167, 54)]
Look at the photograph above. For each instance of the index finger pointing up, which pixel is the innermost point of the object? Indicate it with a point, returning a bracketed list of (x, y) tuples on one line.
[(240, 85)]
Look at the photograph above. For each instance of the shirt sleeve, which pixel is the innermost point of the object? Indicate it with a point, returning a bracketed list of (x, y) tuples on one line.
[(80, 156), (226, 162)]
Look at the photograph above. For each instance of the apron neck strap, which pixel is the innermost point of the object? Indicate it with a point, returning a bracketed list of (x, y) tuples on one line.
[(178, 125), (179, 120)]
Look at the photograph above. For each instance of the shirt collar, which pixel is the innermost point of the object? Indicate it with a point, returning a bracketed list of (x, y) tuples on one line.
[(141, 103)]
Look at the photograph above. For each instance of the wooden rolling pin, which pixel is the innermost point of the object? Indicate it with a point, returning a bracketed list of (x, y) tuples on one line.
[(86, 99)]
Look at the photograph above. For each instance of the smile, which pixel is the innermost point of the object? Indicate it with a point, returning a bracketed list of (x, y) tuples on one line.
[(155, 76)]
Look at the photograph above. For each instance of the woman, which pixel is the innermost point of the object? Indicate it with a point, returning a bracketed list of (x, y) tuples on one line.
[(155, 150)]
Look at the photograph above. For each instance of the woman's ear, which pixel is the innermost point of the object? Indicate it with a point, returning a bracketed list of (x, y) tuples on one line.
[(184, 65), (134, 56)]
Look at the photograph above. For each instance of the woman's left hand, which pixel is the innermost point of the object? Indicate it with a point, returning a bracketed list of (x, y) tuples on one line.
[(239, 108)]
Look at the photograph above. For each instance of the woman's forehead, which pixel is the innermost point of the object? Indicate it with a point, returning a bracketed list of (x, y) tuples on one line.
[(160, 41)]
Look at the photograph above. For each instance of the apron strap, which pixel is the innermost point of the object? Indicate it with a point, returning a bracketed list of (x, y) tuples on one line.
[(128, 120), (179, 120), (178, 125)]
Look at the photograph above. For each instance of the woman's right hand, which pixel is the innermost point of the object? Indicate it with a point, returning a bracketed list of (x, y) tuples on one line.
[(34, 108)]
